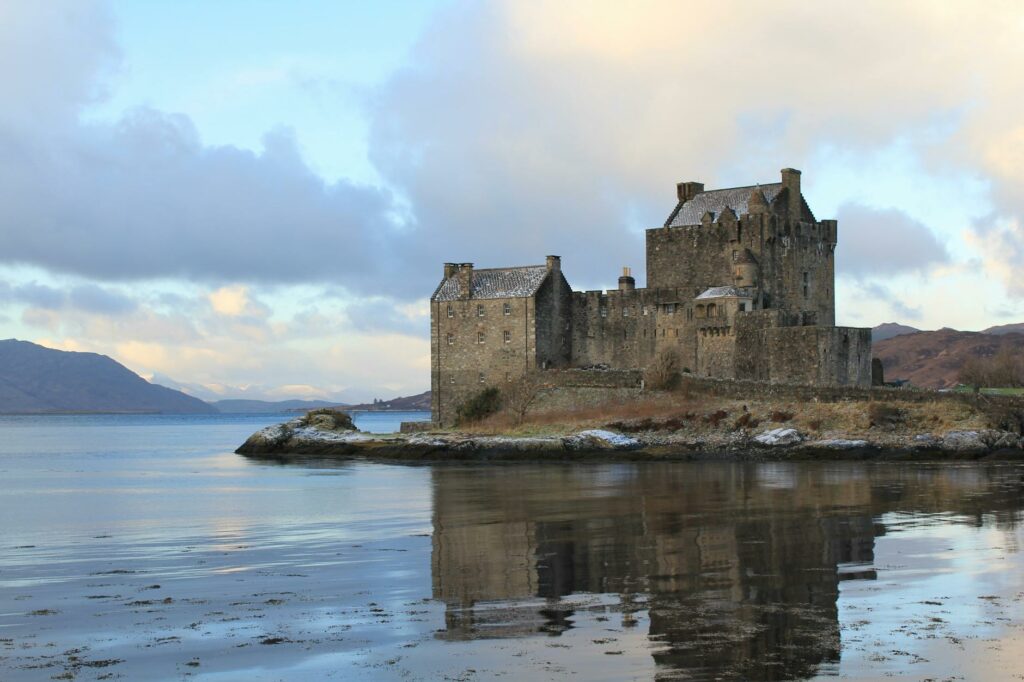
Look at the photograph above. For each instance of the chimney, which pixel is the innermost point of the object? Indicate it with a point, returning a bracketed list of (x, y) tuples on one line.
[(687, 190), (626, 282), (791, 181), (554, 263), (465, 275), (450, 269)]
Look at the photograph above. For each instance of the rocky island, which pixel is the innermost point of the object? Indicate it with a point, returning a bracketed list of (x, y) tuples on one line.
[(677, 426)]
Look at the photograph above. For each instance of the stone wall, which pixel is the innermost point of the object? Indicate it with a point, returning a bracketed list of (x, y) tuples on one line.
[(825, 356), (463, 365)]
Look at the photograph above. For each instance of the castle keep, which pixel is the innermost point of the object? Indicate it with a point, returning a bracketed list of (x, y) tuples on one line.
[(740, 284)]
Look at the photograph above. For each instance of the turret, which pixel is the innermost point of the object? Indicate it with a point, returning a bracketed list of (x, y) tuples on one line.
[(745, 269)]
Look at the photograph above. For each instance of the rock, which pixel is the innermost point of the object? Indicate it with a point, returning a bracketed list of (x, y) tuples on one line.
[(780, 436), (841, 444), (964, 441), (598, 439)]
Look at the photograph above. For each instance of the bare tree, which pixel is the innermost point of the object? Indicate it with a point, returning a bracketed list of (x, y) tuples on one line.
[(522, 394), (663, 372), (975, 373)]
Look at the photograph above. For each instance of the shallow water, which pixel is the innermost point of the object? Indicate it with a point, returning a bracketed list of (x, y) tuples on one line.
[(141, 548)]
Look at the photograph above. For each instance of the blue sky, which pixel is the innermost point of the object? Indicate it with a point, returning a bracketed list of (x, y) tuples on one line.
[(255, 198)]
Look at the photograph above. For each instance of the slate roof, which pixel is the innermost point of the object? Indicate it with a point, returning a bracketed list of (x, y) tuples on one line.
[(717, 200), (726, 292), (518, 282)]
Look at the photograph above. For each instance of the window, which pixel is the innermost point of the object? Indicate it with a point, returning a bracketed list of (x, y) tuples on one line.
[(479, 337), (508, 376), (807, 284), (625, 312), (644, 310), (451, 310), (712, 312), (604, 312), (743, 307), (451, 339), (507, 309), (479, 310), (482, 379), (670, 308), (451, 379), (507, 335)]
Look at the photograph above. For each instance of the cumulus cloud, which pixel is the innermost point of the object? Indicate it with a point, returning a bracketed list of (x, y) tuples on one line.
[(884, 242), (524, 128)]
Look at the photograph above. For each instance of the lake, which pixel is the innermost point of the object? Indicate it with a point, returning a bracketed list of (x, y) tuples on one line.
[(142, 548)]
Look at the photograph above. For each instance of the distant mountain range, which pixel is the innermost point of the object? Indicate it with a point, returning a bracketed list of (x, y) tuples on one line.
[(889, 330), (39, 380), (933, 359), (34, 379)]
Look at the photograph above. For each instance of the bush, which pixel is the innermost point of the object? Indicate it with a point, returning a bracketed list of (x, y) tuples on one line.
[(328, 418), (780, 416), (479, 406), (881, 414)]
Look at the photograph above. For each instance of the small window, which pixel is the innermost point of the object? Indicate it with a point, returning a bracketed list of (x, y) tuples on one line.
[(670, 308), (479, 310), (625, 312), (508, 376), (604, 312), (451, 379), (451, 339), (482, 379), (507, 309), (743, 307), (643, 311), (507, 335), (451, 310), (479, 337)]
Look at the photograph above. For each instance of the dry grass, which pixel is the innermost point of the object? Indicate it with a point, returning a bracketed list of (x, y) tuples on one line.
[(698, 414)]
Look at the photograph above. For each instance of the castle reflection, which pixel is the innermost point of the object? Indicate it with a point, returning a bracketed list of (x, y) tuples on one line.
[(736, 567)]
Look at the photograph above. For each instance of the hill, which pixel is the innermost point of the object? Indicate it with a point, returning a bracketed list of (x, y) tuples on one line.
[(889, 330), (934, 359), (240, 405), (412, 403), (34, 379), (1017, 328)]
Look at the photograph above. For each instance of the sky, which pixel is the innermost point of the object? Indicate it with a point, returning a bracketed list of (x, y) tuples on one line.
[(255, 199)]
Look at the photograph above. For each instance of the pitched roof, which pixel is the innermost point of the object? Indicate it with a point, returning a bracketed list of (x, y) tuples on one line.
[(716, 201), (518, 282), (726, 292)]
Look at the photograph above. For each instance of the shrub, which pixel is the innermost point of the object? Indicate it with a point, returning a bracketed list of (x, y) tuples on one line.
[(328, 418), (715, 418), (745, 421), (881, 414), (479, 406), (780, 416)]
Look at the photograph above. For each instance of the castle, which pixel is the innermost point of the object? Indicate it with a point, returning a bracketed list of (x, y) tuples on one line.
[(740, 285)]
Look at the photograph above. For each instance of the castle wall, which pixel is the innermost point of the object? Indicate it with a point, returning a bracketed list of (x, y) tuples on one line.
[(824, 356), (554, 322), (465, 366)]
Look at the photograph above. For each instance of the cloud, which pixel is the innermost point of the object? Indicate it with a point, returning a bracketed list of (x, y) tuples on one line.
[(144, 198), (1001, 246), (897, 305), (884, 242), (83, 297)]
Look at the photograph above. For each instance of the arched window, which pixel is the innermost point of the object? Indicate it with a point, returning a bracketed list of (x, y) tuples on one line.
[(712, 311)]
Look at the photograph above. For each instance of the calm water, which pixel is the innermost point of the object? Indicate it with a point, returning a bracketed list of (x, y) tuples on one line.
[(142, 548)]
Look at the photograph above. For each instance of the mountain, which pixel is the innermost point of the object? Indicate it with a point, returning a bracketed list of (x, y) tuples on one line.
[(268, 406), (1017, 328), (412, 403), (934, 359), (34, 379), (890, 329)]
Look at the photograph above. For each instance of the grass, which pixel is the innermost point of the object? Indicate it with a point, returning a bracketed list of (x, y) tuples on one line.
[(668, 411)]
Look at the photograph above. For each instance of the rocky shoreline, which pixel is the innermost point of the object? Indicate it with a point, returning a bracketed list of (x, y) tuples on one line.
[(296, 439)]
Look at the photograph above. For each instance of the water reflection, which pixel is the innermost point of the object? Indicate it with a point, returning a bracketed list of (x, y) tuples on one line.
[(737, 567)]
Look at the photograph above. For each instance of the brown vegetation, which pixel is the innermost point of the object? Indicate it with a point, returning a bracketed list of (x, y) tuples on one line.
[(663, 374), (935, 359)]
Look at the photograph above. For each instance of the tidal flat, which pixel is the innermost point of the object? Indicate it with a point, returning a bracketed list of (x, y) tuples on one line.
[(141, 548)]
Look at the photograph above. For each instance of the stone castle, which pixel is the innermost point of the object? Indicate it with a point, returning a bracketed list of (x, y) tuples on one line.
[(740, 285)]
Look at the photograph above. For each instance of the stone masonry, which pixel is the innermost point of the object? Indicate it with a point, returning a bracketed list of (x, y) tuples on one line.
[(740, 286)]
